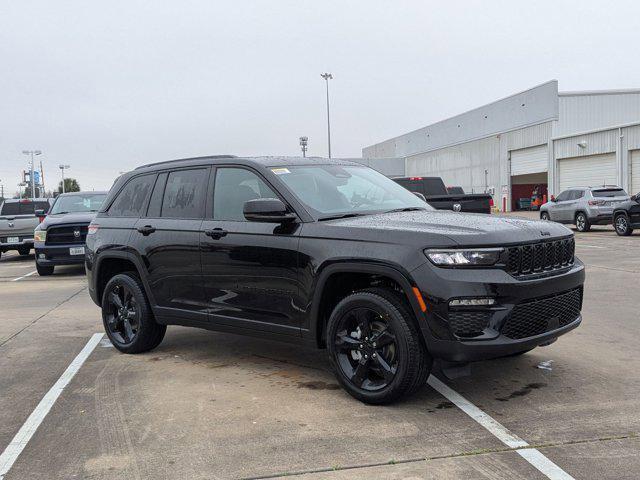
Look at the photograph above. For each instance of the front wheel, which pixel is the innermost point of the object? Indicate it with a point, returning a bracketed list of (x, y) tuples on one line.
[(544, 216), (622, 226), (44, 270), (375, 347), (582, 222), (127, 316)]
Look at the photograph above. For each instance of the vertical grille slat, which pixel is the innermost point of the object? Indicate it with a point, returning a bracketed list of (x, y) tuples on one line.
[(523, 260)]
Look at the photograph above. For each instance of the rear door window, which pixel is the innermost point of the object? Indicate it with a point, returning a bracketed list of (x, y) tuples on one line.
[(132, 199), (184, 194)]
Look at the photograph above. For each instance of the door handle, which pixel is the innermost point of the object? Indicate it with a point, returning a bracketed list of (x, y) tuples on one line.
[(216, 233), (146, 230)]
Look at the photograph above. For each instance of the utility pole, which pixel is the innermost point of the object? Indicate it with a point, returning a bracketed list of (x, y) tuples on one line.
[(44, 190), (327, 77), (62, 168), (303, 144), (31, 175)]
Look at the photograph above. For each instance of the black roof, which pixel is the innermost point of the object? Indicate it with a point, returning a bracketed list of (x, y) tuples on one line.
[(258, 161)]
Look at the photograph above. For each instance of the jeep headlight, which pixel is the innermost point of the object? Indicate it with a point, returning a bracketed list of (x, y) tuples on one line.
[(39, 235), (463, 257)]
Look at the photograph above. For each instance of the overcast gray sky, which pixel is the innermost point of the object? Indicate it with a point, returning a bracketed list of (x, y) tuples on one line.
[(106, 86)]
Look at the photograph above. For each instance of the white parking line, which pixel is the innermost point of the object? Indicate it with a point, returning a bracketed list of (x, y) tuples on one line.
[(24, 276), (531, 455), (28, 429), (588, 246)]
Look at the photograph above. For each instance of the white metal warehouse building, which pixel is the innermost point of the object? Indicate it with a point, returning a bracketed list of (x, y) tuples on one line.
[(537, 137)]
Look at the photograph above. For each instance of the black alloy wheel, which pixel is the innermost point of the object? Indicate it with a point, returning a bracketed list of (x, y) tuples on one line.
[(367, 350), (122, 315), (127, 316), (375, 348)]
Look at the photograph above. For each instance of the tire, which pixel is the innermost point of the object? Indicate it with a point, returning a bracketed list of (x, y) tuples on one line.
[(582, 222), (24, 251), (127, 316), (389, 318), (622, 226), (544, 216), (44, 270)]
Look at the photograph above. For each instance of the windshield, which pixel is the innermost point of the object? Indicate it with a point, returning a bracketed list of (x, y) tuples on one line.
[(78, 203), (610, 192), (331, 190)]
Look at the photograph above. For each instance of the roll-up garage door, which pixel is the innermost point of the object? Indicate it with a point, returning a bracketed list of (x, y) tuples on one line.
[(635, 172), (588, 171), (529, 160)]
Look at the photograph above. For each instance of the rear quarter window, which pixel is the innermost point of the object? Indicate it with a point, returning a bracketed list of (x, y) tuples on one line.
[(132, 199)]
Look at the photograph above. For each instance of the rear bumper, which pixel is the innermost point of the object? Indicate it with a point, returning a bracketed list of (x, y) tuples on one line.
[(500, 333), (48, 255)]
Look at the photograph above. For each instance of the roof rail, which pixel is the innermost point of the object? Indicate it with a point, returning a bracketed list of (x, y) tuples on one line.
[(184, 159)]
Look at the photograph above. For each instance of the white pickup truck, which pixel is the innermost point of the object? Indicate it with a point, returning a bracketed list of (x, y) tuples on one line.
[(18, 220)]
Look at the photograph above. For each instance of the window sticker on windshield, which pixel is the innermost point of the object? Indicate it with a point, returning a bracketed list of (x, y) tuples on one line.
[(280, 171)]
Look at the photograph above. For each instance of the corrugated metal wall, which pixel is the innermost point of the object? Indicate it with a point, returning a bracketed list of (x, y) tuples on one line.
[(581, 111)]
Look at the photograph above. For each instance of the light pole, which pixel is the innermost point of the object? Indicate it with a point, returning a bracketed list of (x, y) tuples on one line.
[(327, 77), (31, 176), (62, 168), (303, 144)]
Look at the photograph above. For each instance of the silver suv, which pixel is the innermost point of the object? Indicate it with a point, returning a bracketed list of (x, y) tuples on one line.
[(584, 206)]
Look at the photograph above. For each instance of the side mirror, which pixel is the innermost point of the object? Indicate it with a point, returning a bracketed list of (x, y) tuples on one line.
[(420, 196), (40, 214), (553, 198), (269, 210)]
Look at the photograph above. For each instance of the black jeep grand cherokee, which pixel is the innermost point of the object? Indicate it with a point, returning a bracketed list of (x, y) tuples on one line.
[(328, 253)]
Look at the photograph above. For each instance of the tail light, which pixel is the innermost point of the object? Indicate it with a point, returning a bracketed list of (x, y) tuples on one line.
[(596, 202), (491, 202), (92, 229)]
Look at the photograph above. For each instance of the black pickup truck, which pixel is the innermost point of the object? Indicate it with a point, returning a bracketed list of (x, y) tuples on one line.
[(435, 193)]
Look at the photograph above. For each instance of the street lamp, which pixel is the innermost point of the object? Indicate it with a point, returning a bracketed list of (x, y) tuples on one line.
[(327, 77), (62, 169), (33, 180), (303, 144)]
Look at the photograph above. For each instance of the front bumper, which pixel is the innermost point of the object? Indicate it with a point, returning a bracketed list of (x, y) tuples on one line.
[(49, 255), (23, 241), (496, 337)]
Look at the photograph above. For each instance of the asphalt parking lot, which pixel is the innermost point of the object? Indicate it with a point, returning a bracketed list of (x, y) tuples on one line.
[(207, 405)]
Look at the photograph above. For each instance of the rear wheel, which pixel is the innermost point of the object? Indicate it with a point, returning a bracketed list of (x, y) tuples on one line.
[(544, 216), (127, 316), (375, 348), (582, 222), (44, 270), (622, 226)]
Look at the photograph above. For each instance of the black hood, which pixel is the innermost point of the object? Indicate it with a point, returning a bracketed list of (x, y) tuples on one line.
[(462, 229), (67, 218)]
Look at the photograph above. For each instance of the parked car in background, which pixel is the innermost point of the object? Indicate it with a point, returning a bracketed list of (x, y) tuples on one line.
[(17, 222), (584, 206), (60, 238), (331, 254), (435, 194), (626, 216)]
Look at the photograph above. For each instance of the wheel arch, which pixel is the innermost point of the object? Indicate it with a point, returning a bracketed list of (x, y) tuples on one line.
[(113, 263), (329, 277)]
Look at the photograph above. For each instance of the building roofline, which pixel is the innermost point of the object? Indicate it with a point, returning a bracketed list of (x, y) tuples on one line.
[(579, 93)]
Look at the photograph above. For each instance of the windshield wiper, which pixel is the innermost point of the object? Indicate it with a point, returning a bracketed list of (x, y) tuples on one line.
[(342, 215), (405, 209)]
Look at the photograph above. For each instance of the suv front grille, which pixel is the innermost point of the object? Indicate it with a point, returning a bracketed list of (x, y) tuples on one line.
[(469, 324), (67, 234), (524, 260), (544, 314)]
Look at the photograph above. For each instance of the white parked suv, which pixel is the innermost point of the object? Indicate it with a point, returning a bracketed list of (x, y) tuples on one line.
[(584, 206)]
